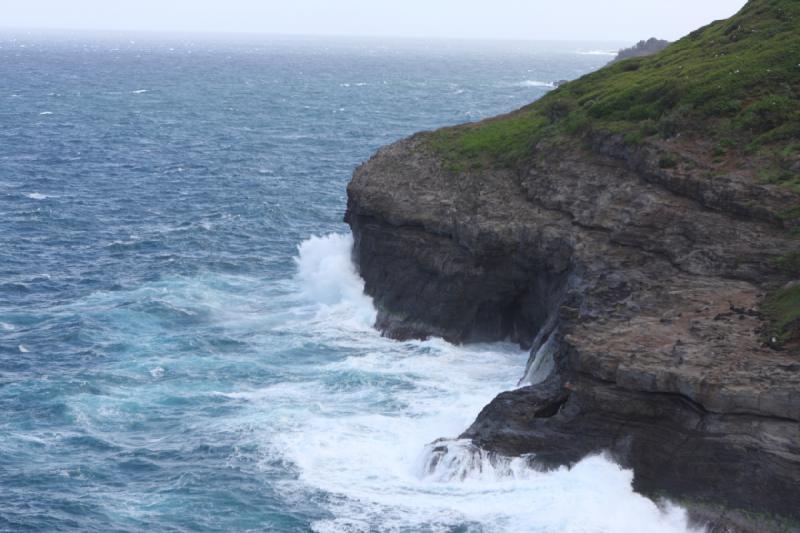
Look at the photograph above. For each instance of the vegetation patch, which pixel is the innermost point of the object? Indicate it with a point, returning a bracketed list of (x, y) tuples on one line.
[(504, 141), (735, 83), (668, 161), (782, 176), (783, 309), (789, 263)]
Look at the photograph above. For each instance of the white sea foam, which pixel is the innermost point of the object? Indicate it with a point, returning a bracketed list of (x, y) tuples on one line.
[(534, 83), (46, 113), (597, 52), (23, 349), (7, 327), (140, 91), (359, 428), (36, 196)]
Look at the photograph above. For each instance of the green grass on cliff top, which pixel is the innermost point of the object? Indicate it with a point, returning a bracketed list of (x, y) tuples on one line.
[(735, 81), (783, 309)]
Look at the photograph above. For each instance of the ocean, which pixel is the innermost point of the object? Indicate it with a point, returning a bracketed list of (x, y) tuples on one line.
[(184, 341)]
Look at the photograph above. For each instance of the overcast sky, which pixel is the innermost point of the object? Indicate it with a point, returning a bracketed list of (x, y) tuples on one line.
[(614, 20)]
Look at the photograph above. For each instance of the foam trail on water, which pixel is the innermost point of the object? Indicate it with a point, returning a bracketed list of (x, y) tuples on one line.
[(535, 83), (361, 428)]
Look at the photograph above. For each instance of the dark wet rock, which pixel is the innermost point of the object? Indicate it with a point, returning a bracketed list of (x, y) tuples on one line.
[(675, 446)]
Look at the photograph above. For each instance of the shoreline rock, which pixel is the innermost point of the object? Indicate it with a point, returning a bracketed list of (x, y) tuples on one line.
[(654, 289), (642, 49)]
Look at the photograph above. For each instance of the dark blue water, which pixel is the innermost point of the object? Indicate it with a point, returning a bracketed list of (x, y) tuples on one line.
[(170, 360)]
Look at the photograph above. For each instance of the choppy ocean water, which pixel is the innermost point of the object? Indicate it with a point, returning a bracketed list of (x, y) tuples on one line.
[(184, 343)]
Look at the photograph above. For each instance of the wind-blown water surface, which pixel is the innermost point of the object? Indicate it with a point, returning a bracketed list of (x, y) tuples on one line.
[(184, 343)]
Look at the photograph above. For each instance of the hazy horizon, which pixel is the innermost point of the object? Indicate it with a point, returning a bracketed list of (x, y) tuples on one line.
[(537, 20)]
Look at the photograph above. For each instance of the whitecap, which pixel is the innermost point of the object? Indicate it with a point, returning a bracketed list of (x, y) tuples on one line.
[(158, 372), (534, 83), (23, 349), (46, 113), (597, 52), (140, 91), (283, 391), (36, 196), (7, 327)]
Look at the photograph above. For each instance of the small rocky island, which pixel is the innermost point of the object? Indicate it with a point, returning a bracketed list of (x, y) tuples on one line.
[(642, 48), (639, 230)]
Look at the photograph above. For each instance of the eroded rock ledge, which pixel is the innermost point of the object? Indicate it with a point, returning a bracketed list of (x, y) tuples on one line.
[(655, 288)]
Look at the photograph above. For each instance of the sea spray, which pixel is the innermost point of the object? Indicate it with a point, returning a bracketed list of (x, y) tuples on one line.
[(374, 440), (328, 277), (542, 361)]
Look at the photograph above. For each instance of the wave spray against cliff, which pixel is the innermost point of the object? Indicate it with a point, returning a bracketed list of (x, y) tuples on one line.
[(361, 430)]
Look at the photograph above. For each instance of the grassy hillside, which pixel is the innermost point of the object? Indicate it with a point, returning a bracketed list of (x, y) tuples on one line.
[(733, 86), (736, 81)]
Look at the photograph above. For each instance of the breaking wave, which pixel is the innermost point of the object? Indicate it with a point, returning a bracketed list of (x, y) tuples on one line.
[(364, 429), (535, 83)]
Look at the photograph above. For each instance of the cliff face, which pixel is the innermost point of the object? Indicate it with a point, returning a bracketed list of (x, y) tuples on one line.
[(644, 265), (661, 356)]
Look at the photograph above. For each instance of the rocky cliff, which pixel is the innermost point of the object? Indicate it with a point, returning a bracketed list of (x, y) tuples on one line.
[(651, 256), (642, 48)]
